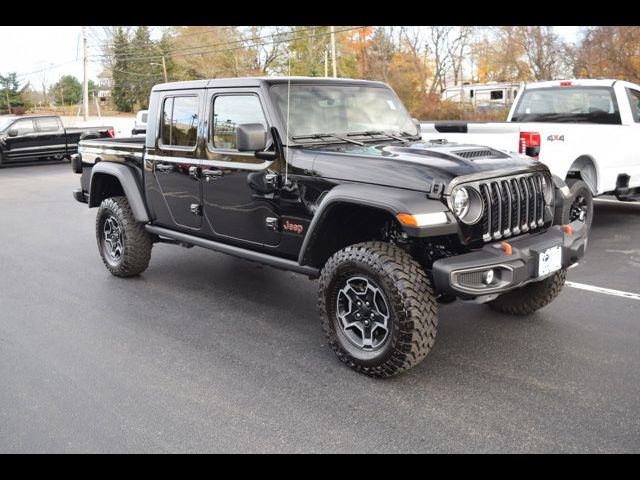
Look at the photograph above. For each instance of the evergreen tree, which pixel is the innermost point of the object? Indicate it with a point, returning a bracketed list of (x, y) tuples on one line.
[(143, 75), (66, 91), (121, 91), (9, 87)]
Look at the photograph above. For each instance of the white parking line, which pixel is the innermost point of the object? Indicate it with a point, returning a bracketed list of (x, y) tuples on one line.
[(616, 201), (608, 291)]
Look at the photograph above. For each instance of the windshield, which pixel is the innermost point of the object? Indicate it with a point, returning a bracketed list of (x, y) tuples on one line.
[(568, 104), (4, 122), (341, 109)]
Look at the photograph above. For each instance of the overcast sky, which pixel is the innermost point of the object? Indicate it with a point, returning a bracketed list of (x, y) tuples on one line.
[(28, 49)]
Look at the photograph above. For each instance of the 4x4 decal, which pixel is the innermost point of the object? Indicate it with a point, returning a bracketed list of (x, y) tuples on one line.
[(553, 138)]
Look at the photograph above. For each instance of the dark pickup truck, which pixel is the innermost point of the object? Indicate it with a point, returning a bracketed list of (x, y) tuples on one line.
[(43, 137), (330, 178)]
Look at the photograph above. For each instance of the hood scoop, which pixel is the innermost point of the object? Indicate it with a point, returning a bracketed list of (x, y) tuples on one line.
[(449, 152), (479, 154)]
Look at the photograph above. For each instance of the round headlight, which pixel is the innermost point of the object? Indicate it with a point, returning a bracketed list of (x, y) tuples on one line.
[(467, 205), (460, 202), (547, 189)]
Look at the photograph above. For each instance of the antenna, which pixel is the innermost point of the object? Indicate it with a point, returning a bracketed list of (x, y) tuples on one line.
[(286, 134)]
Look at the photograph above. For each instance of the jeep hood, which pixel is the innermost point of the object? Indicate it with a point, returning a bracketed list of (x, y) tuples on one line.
[(416, 165)]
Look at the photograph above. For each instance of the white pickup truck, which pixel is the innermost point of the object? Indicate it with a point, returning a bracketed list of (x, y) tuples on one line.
[(585, 131)]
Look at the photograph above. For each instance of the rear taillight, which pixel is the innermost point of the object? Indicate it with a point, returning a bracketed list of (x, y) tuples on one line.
[(530, 144), (565, 84), (111, 132)]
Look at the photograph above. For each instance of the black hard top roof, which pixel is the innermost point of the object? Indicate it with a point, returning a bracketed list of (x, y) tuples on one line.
[(259, 81)]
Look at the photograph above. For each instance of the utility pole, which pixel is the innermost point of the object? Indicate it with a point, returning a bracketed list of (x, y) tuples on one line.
[(85, 83), (6, 89), (164, 70), (333, 51), (326, 63)]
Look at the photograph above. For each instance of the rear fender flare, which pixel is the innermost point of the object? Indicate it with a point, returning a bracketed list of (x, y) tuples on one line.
[(126, 177)]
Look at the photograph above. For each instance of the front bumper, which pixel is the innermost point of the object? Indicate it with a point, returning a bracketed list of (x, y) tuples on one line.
[(462, 275)]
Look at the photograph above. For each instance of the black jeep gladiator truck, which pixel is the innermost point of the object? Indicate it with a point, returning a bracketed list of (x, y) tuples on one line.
[(330, 178), (42, 137)]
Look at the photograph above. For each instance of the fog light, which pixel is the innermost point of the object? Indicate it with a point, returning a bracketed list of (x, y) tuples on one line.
[(487, 277)]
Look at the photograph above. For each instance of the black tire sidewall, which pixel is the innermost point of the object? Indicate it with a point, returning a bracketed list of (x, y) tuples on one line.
[(107, 210), (577, 188), (339, 275)]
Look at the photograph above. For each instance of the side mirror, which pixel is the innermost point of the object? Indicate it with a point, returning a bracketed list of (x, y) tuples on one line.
[(13, 133), (251, 137)]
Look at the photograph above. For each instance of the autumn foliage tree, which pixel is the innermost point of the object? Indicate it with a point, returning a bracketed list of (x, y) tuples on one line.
[(419, 62), (609, 51)]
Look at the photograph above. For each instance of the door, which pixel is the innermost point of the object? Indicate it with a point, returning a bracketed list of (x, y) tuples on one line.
[(23, 145), (236, 205), (173, 163), (633, 168), (50, 137)]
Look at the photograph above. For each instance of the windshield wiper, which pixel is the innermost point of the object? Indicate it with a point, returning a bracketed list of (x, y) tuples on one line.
[(386, 134), (322, 136)]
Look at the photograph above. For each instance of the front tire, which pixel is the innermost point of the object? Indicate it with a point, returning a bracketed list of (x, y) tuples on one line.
[(124, 244), (377, 308), (581, 207), (532, 297)]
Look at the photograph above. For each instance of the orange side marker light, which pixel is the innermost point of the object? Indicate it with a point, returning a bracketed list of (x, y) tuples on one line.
[(408, 219), (567, 229), (507, 248)]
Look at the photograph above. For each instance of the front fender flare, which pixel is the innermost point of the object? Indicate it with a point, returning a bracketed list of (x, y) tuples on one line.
[(389, 199), (130, 186)]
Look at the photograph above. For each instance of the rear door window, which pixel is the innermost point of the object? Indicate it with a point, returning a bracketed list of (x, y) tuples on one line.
[(49, 124), (634, 101), (179, 122)]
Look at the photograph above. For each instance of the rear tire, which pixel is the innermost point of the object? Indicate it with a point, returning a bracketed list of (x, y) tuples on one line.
[(124, 244), (531, 297), (377, 308)]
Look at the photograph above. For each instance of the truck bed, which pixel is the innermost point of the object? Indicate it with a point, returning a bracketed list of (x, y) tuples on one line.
[(114, 149)]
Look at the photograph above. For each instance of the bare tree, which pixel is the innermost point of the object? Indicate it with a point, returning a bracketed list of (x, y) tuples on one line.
[(456, 47), (542, 49), (413, 40)]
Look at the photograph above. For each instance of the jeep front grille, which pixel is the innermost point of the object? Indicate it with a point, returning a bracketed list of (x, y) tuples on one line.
[(512, 205)]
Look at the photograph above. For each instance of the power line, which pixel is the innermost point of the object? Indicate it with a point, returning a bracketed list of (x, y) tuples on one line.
[(133, 73), (270, 43), (125, 56), (246, 46), (215, 29), (46, 68)]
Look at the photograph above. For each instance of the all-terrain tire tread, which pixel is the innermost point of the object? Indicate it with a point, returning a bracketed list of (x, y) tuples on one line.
[(412, 300), (137, 241), (531, 297)]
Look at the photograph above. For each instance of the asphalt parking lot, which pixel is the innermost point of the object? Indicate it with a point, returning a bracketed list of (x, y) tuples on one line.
[(209, 353)]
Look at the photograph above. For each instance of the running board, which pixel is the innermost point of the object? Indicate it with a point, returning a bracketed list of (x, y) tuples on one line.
[(277, 262)]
